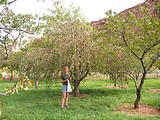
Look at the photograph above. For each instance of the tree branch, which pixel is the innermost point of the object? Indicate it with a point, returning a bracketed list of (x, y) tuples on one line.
[(5, 47), (154, 60), (135, 78), (142, 63), (123, 36), (146, 50), (21, 29), (5, 94), (152, 70), (85, 75), (11, 2)]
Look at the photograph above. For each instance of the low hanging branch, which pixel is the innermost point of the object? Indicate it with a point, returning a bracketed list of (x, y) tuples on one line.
[(23, 83), (20, 30)]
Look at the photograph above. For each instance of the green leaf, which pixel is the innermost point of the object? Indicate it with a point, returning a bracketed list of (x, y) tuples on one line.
[(26, 88), (13, 91), (2, 104), (17, 85), (6, 89), (0, 75), (21, 78), (32, 82), (3, 2)]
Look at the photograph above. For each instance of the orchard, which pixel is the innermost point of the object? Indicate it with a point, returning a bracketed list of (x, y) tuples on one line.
[(125, 49)]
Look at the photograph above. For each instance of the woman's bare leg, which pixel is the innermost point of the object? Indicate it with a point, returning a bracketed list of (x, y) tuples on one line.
[(63, 97), (66, 100)]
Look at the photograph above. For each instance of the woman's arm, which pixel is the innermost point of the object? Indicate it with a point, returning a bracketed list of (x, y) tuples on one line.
[(62, 81)]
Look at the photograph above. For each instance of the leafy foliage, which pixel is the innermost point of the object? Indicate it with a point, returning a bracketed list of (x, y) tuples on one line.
[(37, 65), (66, 40), (71, 42), (113, 61), (0, 75), (12, 28), (139, 38), (13, 61), (6, 2), (3, 1)]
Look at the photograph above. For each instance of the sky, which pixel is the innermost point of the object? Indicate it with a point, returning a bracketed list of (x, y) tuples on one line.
[(92, 10)]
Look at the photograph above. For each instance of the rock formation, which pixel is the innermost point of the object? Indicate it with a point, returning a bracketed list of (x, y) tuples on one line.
[(100, 23)]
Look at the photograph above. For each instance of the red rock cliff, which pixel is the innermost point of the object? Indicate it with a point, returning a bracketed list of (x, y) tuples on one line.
[(100, 23)]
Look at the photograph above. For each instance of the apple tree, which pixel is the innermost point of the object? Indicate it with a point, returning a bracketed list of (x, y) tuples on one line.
[(70, 39)]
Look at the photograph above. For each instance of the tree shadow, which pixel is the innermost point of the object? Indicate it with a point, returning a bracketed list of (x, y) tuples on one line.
[(102, 92), (36, 95)]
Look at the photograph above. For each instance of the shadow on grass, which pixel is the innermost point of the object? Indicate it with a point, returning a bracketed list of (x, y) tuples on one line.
[(37, 95), (8, 81), (102, 92), (55, 95)]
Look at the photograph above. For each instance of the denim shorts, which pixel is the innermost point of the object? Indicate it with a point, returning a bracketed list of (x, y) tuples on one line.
[(64, 88)]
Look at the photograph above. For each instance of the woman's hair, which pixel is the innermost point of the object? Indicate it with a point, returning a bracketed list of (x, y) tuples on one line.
[(65, 66)]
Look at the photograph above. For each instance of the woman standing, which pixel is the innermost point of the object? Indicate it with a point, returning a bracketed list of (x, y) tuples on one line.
[(64, 79)]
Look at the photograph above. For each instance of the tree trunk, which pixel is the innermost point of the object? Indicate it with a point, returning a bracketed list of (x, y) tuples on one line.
[(138, 92), (77, 79), (11, 78), (76, 88), (136, 103), (36, 83), (115, 83)]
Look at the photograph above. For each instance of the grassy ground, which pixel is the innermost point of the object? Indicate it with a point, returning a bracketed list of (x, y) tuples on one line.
[(44, 104)]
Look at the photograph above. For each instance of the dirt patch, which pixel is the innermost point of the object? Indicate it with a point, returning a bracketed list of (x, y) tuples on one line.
[(154, 90), (144, 110), (154, 75), (115, 87), (80, 95)]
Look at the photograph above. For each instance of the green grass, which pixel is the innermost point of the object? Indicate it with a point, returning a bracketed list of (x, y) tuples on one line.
[(44, 104)]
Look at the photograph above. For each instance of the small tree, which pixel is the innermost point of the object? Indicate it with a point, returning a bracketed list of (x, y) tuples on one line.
[(13, 62), (112, 61), (38, 62), (139, 36)]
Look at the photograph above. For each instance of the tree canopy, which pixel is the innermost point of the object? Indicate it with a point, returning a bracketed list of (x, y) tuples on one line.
[(139, 38)]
